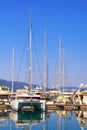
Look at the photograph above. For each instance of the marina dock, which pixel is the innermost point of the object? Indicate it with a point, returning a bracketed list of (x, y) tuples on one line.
[(66, 107), (64, 101)]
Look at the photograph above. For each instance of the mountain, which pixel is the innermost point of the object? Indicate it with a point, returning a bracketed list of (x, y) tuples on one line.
[(17, 84), (20, 85)]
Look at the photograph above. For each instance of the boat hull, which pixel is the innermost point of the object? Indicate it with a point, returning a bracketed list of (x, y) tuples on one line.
[(28, 105)]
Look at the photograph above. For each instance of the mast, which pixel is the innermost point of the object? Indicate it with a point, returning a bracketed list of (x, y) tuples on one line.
[(12, 69), (30, 66), (47, 75), (63, 70), (44, 78), (59, 65)]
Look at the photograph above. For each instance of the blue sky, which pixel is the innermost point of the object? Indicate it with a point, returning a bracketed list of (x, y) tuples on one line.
[(61, 18)]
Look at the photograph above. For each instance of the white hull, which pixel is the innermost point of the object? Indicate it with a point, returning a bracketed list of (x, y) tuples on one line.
[(15, 104)]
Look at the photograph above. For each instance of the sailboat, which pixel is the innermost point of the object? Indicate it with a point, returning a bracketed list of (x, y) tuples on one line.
[(26, 99)]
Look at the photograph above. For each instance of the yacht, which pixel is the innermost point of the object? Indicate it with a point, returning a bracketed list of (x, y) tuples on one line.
[(27, 101)]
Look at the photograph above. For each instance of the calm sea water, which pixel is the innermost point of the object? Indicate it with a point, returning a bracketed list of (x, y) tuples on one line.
[(57, 120)]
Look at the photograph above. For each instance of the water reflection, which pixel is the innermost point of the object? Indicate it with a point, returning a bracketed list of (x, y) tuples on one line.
[(3, 119), (22, 119), (63, 119), (57, 120), (67, 114), (82, 118)]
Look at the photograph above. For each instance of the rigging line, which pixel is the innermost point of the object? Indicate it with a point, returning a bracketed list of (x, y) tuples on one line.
[(37, 58), (22, 57)]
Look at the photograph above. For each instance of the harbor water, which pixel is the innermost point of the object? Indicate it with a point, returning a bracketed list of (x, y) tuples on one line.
[(55, 120)]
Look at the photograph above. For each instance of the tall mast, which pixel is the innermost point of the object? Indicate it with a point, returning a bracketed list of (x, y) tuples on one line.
[(64, 74), (12, 69), (47, 75), (44, 84), (59, 64), (30, 67), (63, 70)]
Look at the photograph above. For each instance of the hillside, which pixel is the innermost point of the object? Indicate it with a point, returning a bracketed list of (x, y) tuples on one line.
[(20, 85), (17, 84)]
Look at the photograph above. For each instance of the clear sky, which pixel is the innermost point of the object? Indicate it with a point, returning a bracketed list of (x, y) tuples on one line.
[(61, 18)]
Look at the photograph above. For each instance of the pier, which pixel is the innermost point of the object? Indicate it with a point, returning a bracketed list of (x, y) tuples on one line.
[(66, 107), (70, 107)]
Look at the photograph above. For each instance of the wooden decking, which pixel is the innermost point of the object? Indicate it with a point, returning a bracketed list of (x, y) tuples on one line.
[(53, 107), (66, 107)]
